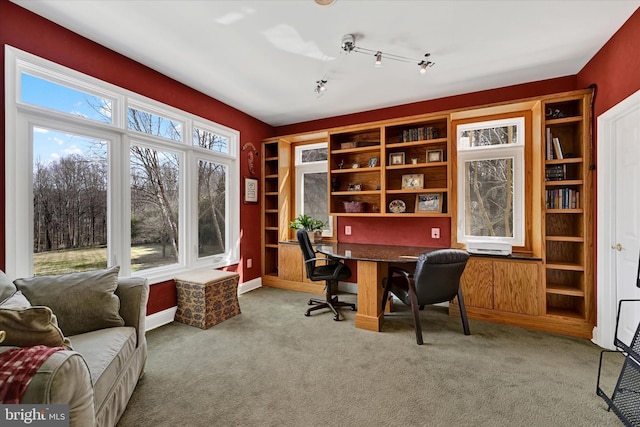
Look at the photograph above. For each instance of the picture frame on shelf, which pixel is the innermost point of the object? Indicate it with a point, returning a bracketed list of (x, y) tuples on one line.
[(413, 181), (250, 190), (434, 156), (429, 202), (396, 159), (355, 187), (373, 162)]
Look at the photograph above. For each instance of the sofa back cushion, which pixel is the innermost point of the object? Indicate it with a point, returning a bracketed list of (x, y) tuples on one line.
[(6, 287), (83, 302)]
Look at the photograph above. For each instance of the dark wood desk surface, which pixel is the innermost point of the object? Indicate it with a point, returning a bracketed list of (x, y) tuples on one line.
[(374, 253)]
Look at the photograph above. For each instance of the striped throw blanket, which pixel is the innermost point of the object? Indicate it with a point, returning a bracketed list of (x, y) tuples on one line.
[(17, 367)]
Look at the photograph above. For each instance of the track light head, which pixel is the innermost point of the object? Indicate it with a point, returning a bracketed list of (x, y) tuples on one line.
[(378, 62), (348, 42), (320, 87)]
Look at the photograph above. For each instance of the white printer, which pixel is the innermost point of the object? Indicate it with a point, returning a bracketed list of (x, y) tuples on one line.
[(488, 247)]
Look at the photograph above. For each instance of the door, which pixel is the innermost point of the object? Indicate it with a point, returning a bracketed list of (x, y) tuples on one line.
[(618, 219), (627, 220)]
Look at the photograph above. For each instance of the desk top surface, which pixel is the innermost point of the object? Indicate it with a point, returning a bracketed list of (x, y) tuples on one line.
[(369, 252)]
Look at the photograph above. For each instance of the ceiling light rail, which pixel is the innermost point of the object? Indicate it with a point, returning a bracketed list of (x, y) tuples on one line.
[(349, 45)]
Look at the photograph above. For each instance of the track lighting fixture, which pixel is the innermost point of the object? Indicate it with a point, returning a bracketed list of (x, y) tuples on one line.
[(349, 45), (378, 62), (320, 86)]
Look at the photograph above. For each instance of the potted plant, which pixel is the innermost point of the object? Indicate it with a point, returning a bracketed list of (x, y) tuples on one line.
[(312, 226)]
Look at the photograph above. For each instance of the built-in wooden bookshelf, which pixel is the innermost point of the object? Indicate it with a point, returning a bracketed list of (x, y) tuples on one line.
[(385, 170), (270, 219), (568, 211)]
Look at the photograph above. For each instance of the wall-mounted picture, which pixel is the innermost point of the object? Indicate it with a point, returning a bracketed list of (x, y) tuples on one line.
[(373, 162), (250, 190), (396, 159), (434, 156), (415, 180), (355, 187), (431, 202)]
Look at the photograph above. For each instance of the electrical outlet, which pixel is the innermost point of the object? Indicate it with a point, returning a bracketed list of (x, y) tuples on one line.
[(435, 233), (249, 262), (347, 230)]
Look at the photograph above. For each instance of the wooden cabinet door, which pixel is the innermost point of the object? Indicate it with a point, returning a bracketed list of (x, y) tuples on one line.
[(290, 263), (477, 283), (517, 286)]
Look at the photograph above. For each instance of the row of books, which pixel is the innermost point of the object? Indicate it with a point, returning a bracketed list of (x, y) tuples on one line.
[(555, 172), (419, 134), (553, 147), (563, 198)]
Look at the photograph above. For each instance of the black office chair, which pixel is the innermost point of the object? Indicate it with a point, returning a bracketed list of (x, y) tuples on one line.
[(331, 272), (436, 279)]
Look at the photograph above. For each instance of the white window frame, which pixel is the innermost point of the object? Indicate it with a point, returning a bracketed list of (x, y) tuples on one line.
[(514, 151), (303, 168), (20, 118)]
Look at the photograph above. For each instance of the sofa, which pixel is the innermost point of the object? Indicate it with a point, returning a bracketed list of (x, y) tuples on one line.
[(97, 323)]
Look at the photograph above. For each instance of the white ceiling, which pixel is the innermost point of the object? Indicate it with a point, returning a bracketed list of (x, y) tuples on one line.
[(264, 57)]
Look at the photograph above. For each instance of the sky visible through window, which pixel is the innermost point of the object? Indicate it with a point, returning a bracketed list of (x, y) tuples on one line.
[(50, 145)]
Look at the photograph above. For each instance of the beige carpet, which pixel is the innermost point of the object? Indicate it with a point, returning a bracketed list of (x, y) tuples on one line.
[(272, 366)]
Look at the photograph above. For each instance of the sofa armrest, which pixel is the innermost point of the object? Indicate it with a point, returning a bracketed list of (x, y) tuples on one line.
[(134, 293)]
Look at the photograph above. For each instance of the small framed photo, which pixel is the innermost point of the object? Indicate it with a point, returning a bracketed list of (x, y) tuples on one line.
[(355, 187), (396, 159), (373, 162), (434, 156), (430, 202), (412, 181), (250, 190)]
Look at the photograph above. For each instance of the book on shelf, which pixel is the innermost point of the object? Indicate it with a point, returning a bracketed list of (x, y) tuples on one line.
[(549, 145), (420, 134), (563, 198), (557, 148), (555, 172)]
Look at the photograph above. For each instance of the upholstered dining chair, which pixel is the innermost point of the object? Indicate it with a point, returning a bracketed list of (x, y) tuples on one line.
[(436, 279), (328, 270)]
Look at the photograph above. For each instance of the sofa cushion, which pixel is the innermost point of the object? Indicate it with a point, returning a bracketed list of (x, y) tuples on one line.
[(107, 352), (83, 302), (6, 287), (31, 326)]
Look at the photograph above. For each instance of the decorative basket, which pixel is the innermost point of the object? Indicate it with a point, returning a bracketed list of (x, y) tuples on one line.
[(353, 207)]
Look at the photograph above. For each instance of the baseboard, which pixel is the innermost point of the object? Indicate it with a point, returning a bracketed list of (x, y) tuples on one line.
[(164, 317), (250, 285), (160, 318)]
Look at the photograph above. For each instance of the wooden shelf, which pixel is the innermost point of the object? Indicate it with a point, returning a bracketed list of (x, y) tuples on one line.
[(564, 161), (418, 191), (564, 290), (417, 165), (356, 170), (563, 120), (366, 149), (563, 183), (564, 211), (564, 313), (433, 141), (576, 239), (564, 266)]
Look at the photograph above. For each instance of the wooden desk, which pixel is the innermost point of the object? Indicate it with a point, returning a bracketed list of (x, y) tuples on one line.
[(373, 262)]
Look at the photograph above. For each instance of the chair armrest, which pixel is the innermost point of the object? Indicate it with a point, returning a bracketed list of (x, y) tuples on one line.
[(399, 271), (134, 294)]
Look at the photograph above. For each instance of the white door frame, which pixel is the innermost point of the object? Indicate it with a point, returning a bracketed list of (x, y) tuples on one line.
[(603, 333)]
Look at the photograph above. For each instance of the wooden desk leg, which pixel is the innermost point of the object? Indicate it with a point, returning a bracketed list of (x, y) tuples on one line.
[(370, 275)]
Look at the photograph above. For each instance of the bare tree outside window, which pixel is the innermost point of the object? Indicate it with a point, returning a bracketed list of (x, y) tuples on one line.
[(490, 155)]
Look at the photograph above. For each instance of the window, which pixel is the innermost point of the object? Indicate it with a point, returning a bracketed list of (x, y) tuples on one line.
[(98, 176), (490, 180), (311, 184)]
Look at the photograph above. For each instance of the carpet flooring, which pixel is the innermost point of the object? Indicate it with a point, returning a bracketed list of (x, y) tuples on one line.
[(272, 366)]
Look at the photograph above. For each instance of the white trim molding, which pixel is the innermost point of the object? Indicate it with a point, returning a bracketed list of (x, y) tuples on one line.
[(606, 297)]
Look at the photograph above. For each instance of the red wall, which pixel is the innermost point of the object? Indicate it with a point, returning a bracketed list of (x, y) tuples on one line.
[(34, 34), (615, 69)]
